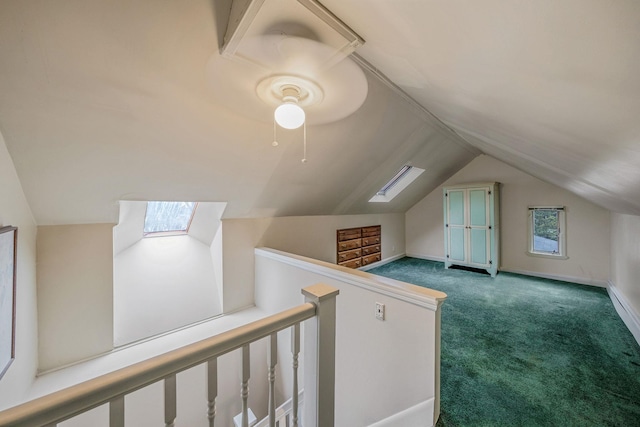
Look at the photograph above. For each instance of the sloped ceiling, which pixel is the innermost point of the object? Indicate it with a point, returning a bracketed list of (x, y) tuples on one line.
[(550, 87), (103, 101)]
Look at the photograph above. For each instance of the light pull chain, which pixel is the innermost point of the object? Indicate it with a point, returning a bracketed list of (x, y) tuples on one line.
[(275, 140), (304, 141)]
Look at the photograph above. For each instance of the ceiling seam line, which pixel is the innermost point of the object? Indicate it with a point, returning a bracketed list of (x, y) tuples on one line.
[(415, 104)]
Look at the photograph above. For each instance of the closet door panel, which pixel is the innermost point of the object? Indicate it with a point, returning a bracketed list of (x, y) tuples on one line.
[(457, 244), (456, 207), (478, 246), (478, 208)]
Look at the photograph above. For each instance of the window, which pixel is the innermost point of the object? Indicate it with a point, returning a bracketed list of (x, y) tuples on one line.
[(399, 182), (168, 218), (547, 236)]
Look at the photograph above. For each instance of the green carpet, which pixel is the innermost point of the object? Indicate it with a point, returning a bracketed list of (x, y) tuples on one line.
[(523, 351)]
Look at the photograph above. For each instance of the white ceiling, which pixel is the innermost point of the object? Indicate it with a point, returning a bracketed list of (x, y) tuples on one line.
[(103, 101)]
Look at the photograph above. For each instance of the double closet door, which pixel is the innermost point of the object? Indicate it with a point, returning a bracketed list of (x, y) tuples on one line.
[(471, 226)]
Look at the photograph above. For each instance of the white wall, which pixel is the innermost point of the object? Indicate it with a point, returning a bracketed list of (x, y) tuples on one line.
[(625, 259), (161, 284), (75, 292), (311, 236), (588, 225), (382, 367), (14, 210)]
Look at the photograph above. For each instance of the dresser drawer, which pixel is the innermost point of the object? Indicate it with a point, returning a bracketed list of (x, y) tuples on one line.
[(349, 234), (354, 263), (370, 259), (368, 241), (371, 231), (356, 247), (349, 244), (369, 250), (347, 255)]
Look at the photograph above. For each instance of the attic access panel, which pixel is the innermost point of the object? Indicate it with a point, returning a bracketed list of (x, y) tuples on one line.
[(250, 19), (271, 45)]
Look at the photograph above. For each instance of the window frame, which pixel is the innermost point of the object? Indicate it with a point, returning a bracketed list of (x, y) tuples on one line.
[(562, 232), (169, 232), (401, 180)]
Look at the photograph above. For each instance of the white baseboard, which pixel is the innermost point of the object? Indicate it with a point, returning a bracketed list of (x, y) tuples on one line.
[(625, 311), (571, 279), (427, 257), (382, 262), (419, 415)]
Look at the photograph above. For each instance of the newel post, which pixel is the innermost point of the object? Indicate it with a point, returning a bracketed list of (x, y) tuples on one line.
[(320, 357)]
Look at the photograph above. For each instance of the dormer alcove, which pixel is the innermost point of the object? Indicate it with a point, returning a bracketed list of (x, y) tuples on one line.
[(165, 282)]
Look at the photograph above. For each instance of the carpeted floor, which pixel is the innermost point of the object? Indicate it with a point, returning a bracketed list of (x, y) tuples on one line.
[(523, 351)]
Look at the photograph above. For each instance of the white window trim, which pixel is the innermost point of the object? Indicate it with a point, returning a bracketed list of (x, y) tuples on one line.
[(562, 241), (399, 182)]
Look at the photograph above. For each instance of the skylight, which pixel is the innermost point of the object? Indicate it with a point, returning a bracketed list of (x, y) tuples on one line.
[(405, 176), (401, 174), (168, 218)]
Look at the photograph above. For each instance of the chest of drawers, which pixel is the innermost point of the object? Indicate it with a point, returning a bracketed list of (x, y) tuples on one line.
[(360, 246)]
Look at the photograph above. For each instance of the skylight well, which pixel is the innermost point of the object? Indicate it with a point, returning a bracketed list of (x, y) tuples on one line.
[(168, 218), (401, 180)]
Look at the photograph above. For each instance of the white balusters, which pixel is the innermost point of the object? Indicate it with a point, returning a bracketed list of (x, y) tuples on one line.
[(63, 404), (295, 349), (212, 389), (272, 360), (116, 412), (244, 393), (170, 401)]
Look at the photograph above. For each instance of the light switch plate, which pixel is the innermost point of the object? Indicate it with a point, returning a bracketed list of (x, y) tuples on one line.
[(379, 311)]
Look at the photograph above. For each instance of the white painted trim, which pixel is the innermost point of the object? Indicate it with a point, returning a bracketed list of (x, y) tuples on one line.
[(415, 416), (628, 315), (418, 295), (572, 279), (382, 262), (427, 257)]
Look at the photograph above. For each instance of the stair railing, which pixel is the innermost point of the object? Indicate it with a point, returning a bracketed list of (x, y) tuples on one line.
[(111, 388)]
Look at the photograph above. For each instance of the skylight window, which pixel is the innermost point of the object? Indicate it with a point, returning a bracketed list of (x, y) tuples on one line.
[(401, 174), (168, 218), (401, 180)]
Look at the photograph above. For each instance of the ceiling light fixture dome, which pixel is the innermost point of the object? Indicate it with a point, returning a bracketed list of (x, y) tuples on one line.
[(289, 114)]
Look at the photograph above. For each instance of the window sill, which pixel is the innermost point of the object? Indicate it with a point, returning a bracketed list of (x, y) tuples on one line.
[(541, 255)]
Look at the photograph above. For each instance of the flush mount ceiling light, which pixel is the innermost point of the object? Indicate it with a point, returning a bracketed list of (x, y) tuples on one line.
[(289, 114)]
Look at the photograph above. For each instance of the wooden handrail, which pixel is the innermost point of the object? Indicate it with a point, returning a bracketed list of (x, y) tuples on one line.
[(71, 401)]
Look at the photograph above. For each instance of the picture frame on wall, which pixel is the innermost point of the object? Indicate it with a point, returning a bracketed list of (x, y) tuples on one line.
[(8, 259)]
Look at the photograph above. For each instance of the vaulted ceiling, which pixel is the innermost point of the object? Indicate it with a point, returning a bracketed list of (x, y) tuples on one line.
[(102, 101)]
